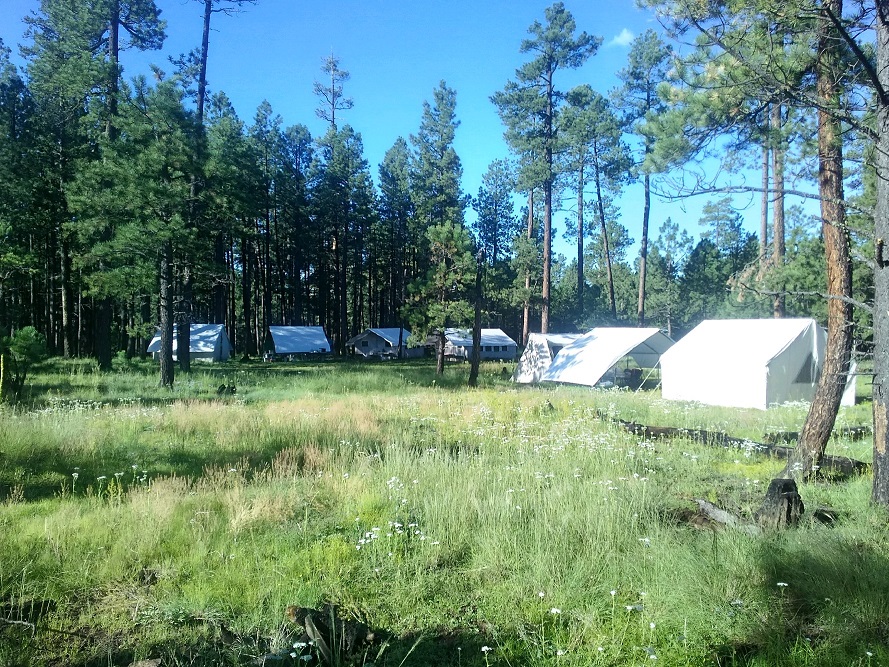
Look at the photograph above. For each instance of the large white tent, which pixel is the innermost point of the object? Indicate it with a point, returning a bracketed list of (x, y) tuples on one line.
[(586, 360), (207, 342), (539, 354), (746, 363), (297, 340)]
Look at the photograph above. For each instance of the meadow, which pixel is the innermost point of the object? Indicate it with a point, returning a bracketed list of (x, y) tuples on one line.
[(501, 525)]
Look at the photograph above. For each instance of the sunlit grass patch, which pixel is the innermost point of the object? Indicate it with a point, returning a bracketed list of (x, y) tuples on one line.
[(525, 521)]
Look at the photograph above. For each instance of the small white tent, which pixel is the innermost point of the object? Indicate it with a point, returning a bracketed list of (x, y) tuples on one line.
[(745, 363), (539, 354), (383, 342), (207, 342), (494, 344), (590, 357), (283, 341)]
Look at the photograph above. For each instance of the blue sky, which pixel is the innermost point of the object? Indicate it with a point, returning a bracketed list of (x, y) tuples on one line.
[(396, 52)]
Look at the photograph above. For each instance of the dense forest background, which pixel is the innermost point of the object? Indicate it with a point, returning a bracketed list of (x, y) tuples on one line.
[(126, 204)]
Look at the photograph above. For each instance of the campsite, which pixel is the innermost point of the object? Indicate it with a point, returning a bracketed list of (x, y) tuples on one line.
[(509, 524), (472, 334)]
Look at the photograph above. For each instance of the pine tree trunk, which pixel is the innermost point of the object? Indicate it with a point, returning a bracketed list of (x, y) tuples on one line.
[(68, 344), (183, 337), (549, 133), (778, 251), (246, 297), (440, 353), (803, 464), (547, 255), (880, 492), (580, 278), (764, 212), (477, 324), (166, 315), (643, 249), (526, 305), (606, 246)]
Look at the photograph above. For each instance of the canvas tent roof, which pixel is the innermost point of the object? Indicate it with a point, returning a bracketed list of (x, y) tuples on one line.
[(463, 337), (745, 363), (538, 355), (388, 334), (589, 357), (299, 340), (204, 339)]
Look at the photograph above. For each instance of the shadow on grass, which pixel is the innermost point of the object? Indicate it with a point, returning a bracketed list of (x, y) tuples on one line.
[(212, 645), (830, 595)]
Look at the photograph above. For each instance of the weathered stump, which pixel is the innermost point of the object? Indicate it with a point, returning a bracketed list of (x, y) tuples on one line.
[(782, 506)]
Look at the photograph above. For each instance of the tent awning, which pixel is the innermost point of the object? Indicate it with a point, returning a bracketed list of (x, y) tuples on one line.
[(588, 358)]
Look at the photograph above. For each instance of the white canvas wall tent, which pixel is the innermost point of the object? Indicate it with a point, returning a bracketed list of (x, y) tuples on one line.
[(286, 341), (383, 343), (207, 342), (590, 357), (746, 363), (539, 354), (495, 344)]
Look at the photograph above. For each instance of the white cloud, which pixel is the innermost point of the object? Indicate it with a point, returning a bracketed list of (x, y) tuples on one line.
[(623, 39)]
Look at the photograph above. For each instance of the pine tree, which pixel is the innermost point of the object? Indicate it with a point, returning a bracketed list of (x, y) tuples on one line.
[(529, 107), (648, 66)]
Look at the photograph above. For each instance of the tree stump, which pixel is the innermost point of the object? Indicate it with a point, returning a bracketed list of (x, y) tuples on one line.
[(782, 506)]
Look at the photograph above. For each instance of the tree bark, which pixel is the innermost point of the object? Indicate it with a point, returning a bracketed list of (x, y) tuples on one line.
[(440, 353), (606, 246), (183, 337), (526, 306), (477, 324), (880, 391), (547, 206), (68, 344), (826, 402), (166, 315), (103, 304), (643, 249), (580, 278), (764, 212), (778, 250)]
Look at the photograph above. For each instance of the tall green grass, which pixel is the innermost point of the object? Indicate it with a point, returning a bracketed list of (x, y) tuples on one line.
[(180, 526)]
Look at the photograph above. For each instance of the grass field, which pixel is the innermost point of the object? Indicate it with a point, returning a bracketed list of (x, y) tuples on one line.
[(494, 526)]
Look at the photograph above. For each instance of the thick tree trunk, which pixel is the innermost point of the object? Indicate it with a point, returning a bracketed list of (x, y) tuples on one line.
[(880, 493), (826, 402), (778, 250), (166, 315)]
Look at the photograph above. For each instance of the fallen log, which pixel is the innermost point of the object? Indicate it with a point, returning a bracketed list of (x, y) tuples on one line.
[(847, 432), (841, 465)]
